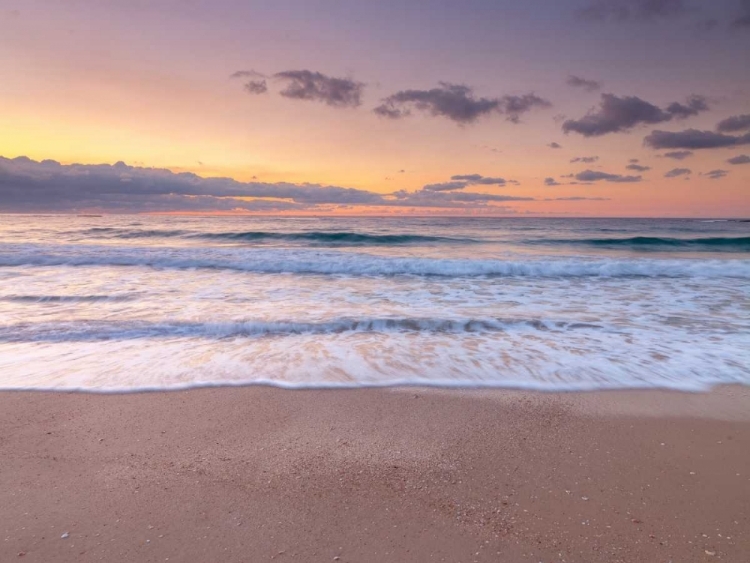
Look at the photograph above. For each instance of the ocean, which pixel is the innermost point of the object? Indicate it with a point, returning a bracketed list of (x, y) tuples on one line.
[(125, 303)]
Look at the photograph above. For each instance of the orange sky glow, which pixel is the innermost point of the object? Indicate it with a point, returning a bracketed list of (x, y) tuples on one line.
[(95, 84)]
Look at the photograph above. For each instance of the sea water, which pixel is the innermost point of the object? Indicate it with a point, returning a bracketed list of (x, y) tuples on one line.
[(119, 303)]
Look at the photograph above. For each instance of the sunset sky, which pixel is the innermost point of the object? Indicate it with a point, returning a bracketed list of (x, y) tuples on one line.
[(583, 107)]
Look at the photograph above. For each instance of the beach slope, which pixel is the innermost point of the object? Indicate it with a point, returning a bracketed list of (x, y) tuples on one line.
[(372, 475)]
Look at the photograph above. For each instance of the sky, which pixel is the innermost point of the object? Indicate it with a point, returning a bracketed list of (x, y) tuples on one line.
[(472, 107)]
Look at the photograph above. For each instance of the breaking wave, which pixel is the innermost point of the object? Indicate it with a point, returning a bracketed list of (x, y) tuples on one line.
[(708, 244), (314, 237), (307, 261)]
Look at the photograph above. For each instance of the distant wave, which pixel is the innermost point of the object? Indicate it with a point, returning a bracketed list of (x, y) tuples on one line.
[(715, 244), (315, 237), (128, 330), (64, 298), (112, 232), (307, 261)]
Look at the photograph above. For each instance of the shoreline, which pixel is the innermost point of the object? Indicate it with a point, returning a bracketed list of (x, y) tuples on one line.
[(375, 474)]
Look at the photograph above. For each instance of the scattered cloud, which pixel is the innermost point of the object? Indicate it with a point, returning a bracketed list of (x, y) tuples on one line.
[(445, 186), (315, 86), (457, 103), (619, 114), (632, 160), (695, 105), (693, 139), (638, 167), (678, 155), (739, 159), (551, 182), (734, 124), (554, 145), (716, 174), (588, 85), (585, 159), (675, 172), (478, 179), (595, 176), (306, 85), (461, 181), (256, 87), (632, 10)]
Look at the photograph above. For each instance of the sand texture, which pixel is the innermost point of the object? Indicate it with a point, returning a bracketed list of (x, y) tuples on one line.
[(262, 474)]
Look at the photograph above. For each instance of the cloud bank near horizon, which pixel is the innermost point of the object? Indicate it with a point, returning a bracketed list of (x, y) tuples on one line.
[(47, 186)]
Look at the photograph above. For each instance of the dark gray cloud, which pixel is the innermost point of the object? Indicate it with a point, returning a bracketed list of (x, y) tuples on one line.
[(515, 106), (595, 176), (695, 105), (256, 87), (445, 186), (578, 82), (693, 139), (554, 145), (315, 86), (678, 172), (619, 114), (734, 124), (716, 174), (638, 167), (739, 159), (48, 186), (586, 159), (551, 182), (678, 155), (307, 85), (478, 179), (632, 10), (457, 103), (451, 194), (461, 181)]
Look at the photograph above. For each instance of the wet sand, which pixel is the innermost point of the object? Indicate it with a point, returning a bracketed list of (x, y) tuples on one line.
[(373, 475)]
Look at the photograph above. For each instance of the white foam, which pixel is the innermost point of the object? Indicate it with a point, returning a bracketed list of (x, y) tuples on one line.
[(106, 318), (72, 331), (309, 261)]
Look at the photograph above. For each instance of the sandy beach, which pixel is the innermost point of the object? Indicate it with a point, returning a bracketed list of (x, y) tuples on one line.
[(370, 475)]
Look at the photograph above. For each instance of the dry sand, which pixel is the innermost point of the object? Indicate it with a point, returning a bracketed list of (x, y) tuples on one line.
[(261, 474)]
